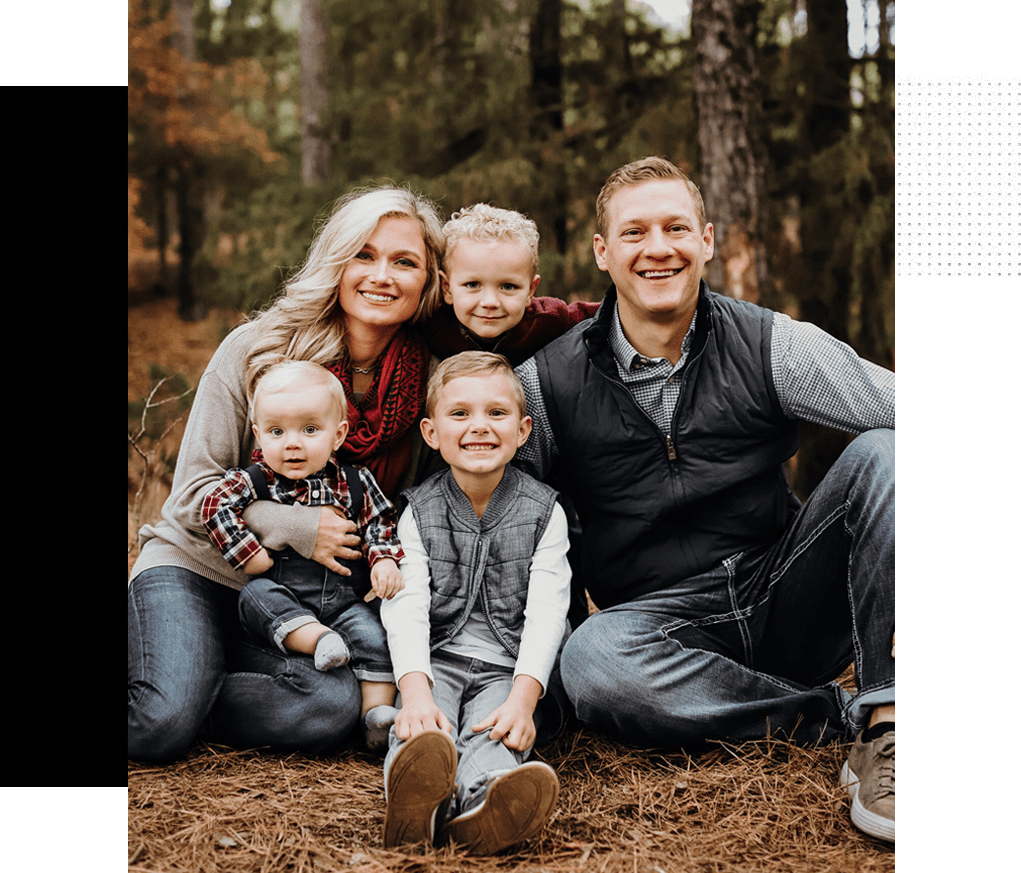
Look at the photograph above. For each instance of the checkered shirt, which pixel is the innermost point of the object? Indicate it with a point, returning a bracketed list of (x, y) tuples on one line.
[(223, 506), (817, 379)]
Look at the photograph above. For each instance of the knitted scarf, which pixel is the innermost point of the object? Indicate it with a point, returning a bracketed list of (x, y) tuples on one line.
[(381, 426)]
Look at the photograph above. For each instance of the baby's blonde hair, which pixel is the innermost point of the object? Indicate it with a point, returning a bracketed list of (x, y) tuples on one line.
[(303, 374), (485, 223), (472, 364)]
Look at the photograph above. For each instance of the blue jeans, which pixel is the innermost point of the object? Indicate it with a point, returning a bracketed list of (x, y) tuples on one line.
[(297, 591), (467, 690), (192, 670), (752, 647)]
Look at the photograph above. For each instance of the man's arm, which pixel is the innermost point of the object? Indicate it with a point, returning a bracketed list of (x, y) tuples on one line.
[(823, 380), (536, 456)]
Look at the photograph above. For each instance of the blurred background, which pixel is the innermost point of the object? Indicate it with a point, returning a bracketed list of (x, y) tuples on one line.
[(248, 118)]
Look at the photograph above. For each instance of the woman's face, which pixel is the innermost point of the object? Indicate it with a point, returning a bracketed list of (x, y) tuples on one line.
[(382, 285)]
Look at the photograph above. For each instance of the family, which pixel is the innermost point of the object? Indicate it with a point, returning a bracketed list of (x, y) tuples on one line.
[(398, 482)]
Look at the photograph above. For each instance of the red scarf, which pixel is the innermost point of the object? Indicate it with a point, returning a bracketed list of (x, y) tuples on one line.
[(381, 427)]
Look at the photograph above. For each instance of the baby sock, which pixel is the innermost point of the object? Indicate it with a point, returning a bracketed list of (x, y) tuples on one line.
[(331, 651)]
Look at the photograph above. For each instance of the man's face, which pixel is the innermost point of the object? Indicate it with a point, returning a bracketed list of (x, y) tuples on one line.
[(654, 251)]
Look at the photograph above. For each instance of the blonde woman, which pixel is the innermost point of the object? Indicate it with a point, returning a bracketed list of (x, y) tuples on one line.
[(371, 273)]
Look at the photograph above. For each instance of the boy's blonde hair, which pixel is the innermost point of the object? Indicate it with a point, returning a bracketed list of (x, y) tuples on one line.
[(485, 223), (472, 364), (288, 374)]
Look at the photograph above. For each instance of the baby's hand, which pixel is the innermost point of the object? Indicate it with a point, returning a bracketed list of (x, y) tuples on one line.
[(386, 578), (260, 562)]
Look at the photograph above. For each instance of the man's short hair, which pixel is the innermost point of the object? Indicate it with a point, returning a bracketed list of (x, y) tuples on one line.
[(485, 223), (472, 364), (643, 170)]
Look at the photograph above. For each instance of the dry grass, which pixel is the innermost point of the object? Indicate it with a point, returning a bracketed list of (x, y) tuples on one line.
[(765, 806)]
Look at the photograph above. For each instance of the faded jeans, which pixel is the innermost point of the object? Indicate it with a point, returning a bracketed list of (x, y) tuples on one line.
[(192, 672), (297, 591), (752, 647), (467, 690)]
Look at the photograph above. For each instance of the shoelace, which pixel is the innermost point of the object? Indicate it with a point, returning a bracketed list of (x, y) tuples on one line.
[(884, 749)]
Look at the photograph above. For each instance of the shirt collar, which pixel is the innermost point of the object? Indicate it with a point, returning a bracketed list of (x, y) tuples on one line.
[(628, 358)]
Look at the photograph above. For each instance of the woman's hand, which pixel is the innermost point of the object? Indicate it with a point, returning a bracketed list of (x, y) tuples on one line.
[(335, 539)]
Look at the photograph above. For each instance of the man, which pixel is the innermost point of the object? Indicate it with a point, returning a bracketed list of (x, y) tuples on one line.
[(727, 610)]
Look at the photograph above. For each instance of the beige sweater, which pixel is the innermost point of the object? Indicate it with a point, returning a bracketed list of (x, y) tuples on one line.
[(218, 437)]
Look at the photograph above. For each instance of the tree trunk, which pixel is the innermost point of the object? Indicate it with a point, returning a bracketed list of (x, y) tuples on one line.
[(822, 272), (316, 153), (547, 99), (732, 179)]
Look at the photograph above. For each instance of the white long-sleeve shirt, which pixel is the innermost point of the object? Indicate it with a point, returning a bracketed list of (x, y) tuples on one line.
[(406, 616)]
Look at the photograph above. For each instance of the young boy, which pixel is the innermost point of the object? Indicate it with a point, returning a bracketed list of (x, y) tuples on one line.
[(489, 277), (299, 416), (476, 630)]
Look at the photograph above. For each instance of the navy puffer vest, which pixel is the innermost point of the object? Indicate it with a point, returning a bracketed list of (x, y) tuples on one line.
[(655, 511), (480, 560)]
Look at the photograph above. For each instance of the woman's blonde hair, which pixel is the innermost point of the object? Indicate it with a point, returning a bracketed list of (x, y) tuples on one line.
[(305, 323)]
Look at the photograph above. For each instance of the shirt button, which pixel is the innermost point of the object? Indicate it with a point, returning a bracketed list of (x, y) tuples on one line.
[(315, 493)]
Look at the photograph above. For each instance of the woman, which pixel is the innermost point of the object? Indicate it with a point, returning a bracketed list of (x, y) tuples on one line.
[(372, 271)]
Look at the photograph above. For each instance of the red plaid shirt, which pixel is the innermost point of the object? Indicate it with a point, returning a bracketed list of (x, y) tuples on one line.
[(223, 506)]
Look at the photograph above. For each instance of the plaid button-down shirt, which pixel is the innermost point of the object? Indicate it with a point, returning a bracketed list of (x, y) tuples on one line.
[(223, 506)]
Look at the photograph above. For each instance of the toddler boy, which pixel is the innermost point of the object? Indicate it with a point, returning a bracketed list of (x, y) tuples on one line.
[(299, 416), (476, 631), (489, 278)]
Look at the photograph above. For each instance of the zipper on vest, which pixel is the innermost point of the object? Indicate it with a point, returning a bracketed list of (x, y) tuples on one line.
[(670, 451)]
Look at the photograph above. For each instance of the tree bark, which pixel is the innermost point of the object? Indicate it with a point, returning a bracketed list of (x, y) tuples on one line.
[(316, 151), (732, 179), (547, 99)]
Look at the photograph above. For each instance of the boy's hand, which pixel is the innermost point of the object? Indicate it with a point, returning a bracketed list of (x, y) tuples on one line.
[(419, 712), (386, 578), (260, 562), (512, 720)]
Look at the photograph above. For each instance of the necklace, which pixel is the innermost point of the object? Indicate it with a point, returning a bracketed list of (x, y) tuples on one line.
[(365, 370)]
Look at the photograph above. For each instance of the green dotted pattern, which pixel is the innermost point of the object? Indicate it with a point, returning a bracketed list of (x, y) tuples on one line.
[(958, 176)]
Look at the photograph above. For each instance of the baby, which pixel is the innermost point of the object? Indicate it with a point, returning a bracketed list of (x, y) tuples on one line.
[(299, 416)]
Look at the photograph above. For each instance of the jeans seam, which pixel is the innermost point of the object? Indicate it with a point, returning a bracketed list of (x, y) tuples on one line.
[(808, 541)]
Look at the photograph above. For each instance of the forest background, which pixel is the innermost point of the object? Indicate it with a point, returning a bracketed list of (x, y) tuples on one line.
[(953, 529), (248, 118)]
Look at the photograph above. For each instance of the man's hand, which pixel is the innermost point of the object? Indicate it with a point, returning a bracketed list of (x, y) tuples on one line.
[(512, 720), (386, 578), (419, 712), (336, 538)]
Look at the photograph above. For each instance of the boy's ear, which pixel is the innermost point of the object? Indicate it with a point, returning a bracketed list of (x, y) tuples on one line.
[(341, 435), (445, 288), (429, 433), (535, 284), (255, 430), (524, 430)]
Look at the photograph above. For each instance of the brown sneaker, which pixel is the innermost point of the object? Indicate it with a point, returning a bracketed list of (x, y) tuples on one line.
[(516, 806), (868, 776), (418, 786)]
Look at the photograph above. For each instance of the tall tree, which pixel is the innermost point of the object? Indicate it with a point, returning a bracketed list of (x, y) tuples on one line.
[(732, 178), (316, 150), (547, 98), (822, 271)]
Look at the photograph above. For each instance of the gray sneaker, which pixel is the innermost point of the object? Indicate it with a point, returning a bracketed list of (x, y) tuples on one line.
[(515, 807), (418, 786), (868, 776)]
